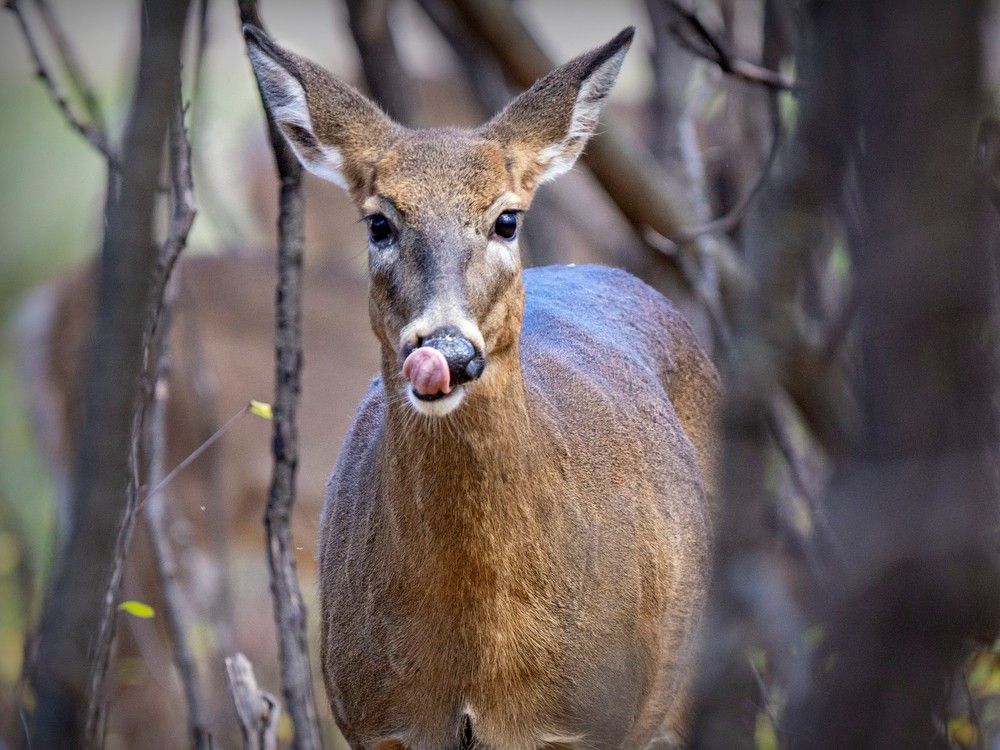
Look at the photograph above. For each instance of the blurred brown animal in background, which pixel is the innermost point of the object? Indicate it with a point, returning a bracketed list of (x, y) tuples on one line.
[(222, 355), (515, 544)]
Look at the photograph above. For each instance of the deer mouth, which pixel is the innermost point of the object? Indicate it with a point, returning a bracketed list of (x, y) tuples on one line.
[(436, 373), (435, 404), (429, 397)]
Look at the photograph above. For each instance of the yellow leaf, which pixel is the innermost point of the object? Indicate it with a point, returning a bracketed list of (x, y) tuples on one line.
[(764, 736), (983, 672), (261, 409), (11, 653), (137, 609), (286, 729), (962, 732)]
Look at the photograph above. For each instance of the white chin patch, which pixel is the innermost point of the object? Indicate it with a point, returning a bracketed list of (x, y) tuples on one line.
[(440, 407)]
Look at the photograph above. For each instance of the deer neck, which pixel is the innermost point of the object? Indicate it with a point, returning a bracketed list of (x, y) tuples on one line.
[(479, 464)]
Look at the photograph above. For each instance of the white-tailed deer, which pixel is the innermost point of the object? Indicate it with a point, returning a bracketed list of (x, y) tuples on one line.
[(514, 548)]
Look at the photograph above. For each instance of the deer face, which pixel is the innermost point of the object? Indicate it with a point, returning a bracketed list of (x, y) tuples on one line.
[(443, 207)]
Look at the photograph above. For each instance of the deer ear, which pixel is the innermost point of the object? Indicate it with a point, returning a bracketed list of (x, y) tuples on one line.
[(548, 125), (335, 132)]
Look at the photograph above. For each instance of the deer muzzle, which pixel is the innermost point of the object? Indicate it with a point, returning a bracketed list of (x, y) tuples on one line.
[(443, 360)]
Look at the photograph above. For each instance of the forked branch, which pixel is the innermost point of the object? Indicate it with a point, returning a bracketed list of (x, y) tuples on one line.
[(92, 131), (692, 34)]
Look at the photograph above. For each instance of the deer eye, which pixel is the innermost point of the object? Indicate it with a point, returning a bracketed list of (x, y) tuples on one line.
[(379, 228), (506, 225)]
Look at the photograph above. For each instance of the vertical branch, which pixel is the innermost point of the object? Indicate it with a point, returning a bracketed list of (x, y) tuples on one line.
[(78, 613), (181, 219), (155, 513), (155, 508), (749, 602), (289, 609)]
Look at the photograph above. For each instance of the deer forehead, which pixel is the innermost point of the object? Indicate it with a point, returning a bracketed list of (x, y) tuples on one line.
[(431, 174)]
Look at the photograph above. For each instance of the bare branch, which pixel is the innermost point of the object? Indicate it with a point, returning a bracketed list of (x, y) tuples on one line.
[(182, 216), (289, 609), (692, 34), (194, 455), (91, 131), (486, 80), (734, 217), (257, 711), (157, 525), (71, 64)]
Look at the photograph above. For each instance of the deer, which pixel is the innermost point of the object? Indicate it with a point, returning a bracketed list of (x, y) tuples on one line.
[(515, 543)]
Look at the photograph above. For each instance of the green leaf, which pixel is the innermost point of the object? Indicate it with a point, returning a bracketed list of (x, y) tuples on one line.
[(137, 609)]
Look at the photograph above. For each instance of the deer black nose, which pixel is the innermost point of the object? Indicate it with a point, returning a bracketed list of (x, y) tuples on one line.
[(465, 363)]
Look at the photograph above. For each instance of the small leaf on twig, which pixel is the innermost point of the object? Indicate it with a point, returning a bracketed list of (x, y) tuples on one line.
[(261, 409), (137, 609)]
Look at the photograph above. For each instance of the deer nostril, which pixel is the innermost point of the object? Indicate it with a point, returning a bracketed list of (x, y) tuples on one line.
[(465, 363), (475, 367)]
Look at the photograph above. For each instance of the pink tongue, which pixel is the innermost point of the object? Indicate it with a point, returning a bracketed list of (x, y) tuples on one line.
[(427, 370)]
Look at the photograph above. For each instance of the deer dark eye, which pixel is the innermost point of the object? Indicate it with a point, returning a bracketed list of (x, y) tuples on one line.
[(506, 225), (379, 228)]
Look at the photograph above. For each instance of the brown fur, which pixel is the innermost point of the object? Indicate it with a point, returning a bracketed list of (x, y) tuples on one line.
[(530, 569)]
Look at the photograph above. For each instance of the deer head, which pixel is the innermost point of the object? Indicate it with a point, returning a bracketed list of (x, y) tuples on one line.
[(443, 208)]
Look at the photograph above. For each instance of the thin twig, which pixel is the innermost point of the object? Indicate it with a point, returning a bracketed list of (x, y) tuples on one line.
[(289, 609), (734, 217), (834, 557), (692, 34), (71, 65), (157, 528), (89, 130), (195, 455), (182, 217), (765, 698)]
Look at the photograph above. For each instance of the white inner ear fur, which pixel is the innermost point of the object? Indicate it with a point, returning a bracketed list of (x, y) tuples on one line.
[(286, 99), (559, 157)]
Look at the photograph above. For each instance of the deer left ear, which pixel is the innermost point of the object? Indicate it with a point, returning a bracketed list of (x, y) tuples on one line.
[(548, 125), (335, 132)]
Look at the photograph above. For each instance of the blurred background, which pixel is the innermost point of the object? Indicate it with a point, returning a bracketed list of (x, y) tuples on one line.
[(716, 134)]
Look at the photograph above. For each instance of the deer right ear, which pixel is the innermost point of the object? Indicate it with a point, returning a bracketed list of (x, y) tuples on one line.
[(335, 132), (546, 127)]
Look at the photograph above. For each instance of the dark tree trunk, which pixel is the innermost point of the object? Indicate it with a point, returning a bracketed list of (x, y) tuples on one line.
[(72, 614), (916, 493)]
